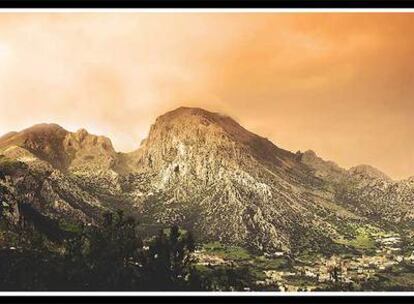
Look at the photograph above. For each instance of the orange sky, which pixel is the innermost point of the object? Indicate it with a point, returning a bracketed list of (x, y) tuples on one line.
[(340, 84)]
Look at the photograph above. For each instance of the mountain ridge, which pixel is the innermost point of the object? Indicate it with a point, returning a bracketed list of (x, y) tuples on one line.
[(214, 117), (59, 147), (205, 172)]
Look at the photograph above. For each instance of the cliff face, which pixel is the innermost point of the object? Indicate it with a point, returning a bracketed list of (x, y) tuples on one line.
[(196, 133), (205, 172)]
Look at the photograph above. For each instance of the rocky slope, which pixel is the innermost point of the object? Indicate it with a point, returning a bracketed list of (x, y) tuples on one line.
[(43, 170), (212, 175), (205, 172), (63, 150), (366, 191)]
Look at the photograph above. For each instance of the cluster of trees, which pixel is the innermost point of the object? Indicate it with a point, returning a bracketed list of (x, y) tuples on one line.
[(111, 257)]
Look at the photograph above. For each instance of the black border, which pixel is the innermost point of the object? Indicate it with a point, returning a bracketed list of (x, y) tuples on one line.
[(311, 4), (183, 4), (209, 299)]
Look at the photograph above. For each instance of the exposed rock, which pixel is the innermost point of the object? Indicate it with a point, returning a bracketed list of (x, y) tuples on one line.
[(205, 172), (63, 150), (322, 168), (367, 171)]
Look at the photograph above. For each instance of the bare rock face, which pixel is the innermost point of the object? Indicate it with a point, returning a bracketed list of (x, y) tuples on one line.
[(205, 172), (374, 195), (206, 141), (46, 191), (89, 152), (210, 174), (367, 171)]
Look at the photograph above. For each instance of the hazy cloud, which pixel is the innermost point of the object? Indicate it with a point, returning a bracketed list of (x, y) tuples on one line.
[(340, 84)]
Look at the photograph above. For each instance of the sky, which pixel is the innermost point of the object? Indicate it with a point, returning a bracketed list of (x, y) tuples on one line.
[(341, 84)]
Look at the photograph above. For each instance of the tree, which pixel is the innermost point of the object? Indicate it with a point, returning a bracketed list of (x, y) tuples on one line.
[(169, 258), (109, 257)]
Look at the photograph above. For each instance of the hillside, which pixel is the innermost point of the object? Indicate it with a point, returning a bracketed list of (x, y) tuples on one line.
[(205, 172)]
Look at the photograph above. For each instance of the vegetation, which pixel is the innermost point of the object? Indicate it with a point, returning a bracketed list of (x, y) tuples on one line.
[(361, 238), (234, 253), (113, 257), (109, 258), (227, 277), (8, 166)]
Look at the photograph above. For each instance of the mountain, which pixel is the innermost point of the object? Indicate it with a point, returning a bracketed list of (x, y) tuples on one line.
[(367, 191), (323, 169), (209, 173), (374, 195), (205, 172), (63, 150), (47, 169)]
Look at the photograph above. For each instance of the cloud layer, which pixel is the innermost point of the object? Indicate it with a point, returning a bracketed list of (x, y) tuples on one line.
[(340, 84)]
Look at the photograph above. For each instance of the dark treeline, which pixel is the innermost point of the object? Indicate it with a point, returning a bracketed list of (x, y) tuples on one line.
[(111, 257)]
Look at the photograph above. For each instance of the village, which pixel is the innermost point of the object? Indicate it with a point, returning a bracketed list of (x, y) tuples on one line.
[(345, 269)]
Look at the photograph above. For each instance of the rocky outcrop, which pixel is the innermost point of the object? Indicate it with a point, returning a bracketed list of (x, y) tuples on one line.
[(63, 150), (89, 152), (368, 172), (367, 191), (205, 172), (210, 174)]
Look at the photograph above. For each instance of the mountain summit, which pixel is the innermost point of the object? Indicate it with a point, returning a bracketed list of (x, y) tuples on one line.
[(62, 149), (194, 132), (205, 172)]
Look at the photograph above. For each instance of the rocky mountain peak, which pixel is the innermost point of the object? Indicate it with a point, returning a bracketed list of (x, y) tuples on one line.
[(82, 139), (201, 119), (60, 148), (42, 140), (194, 133), (81, 134), (205, 172), (368, 171), (321, 167), (89, 152), (7, 135), (44, 132)]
